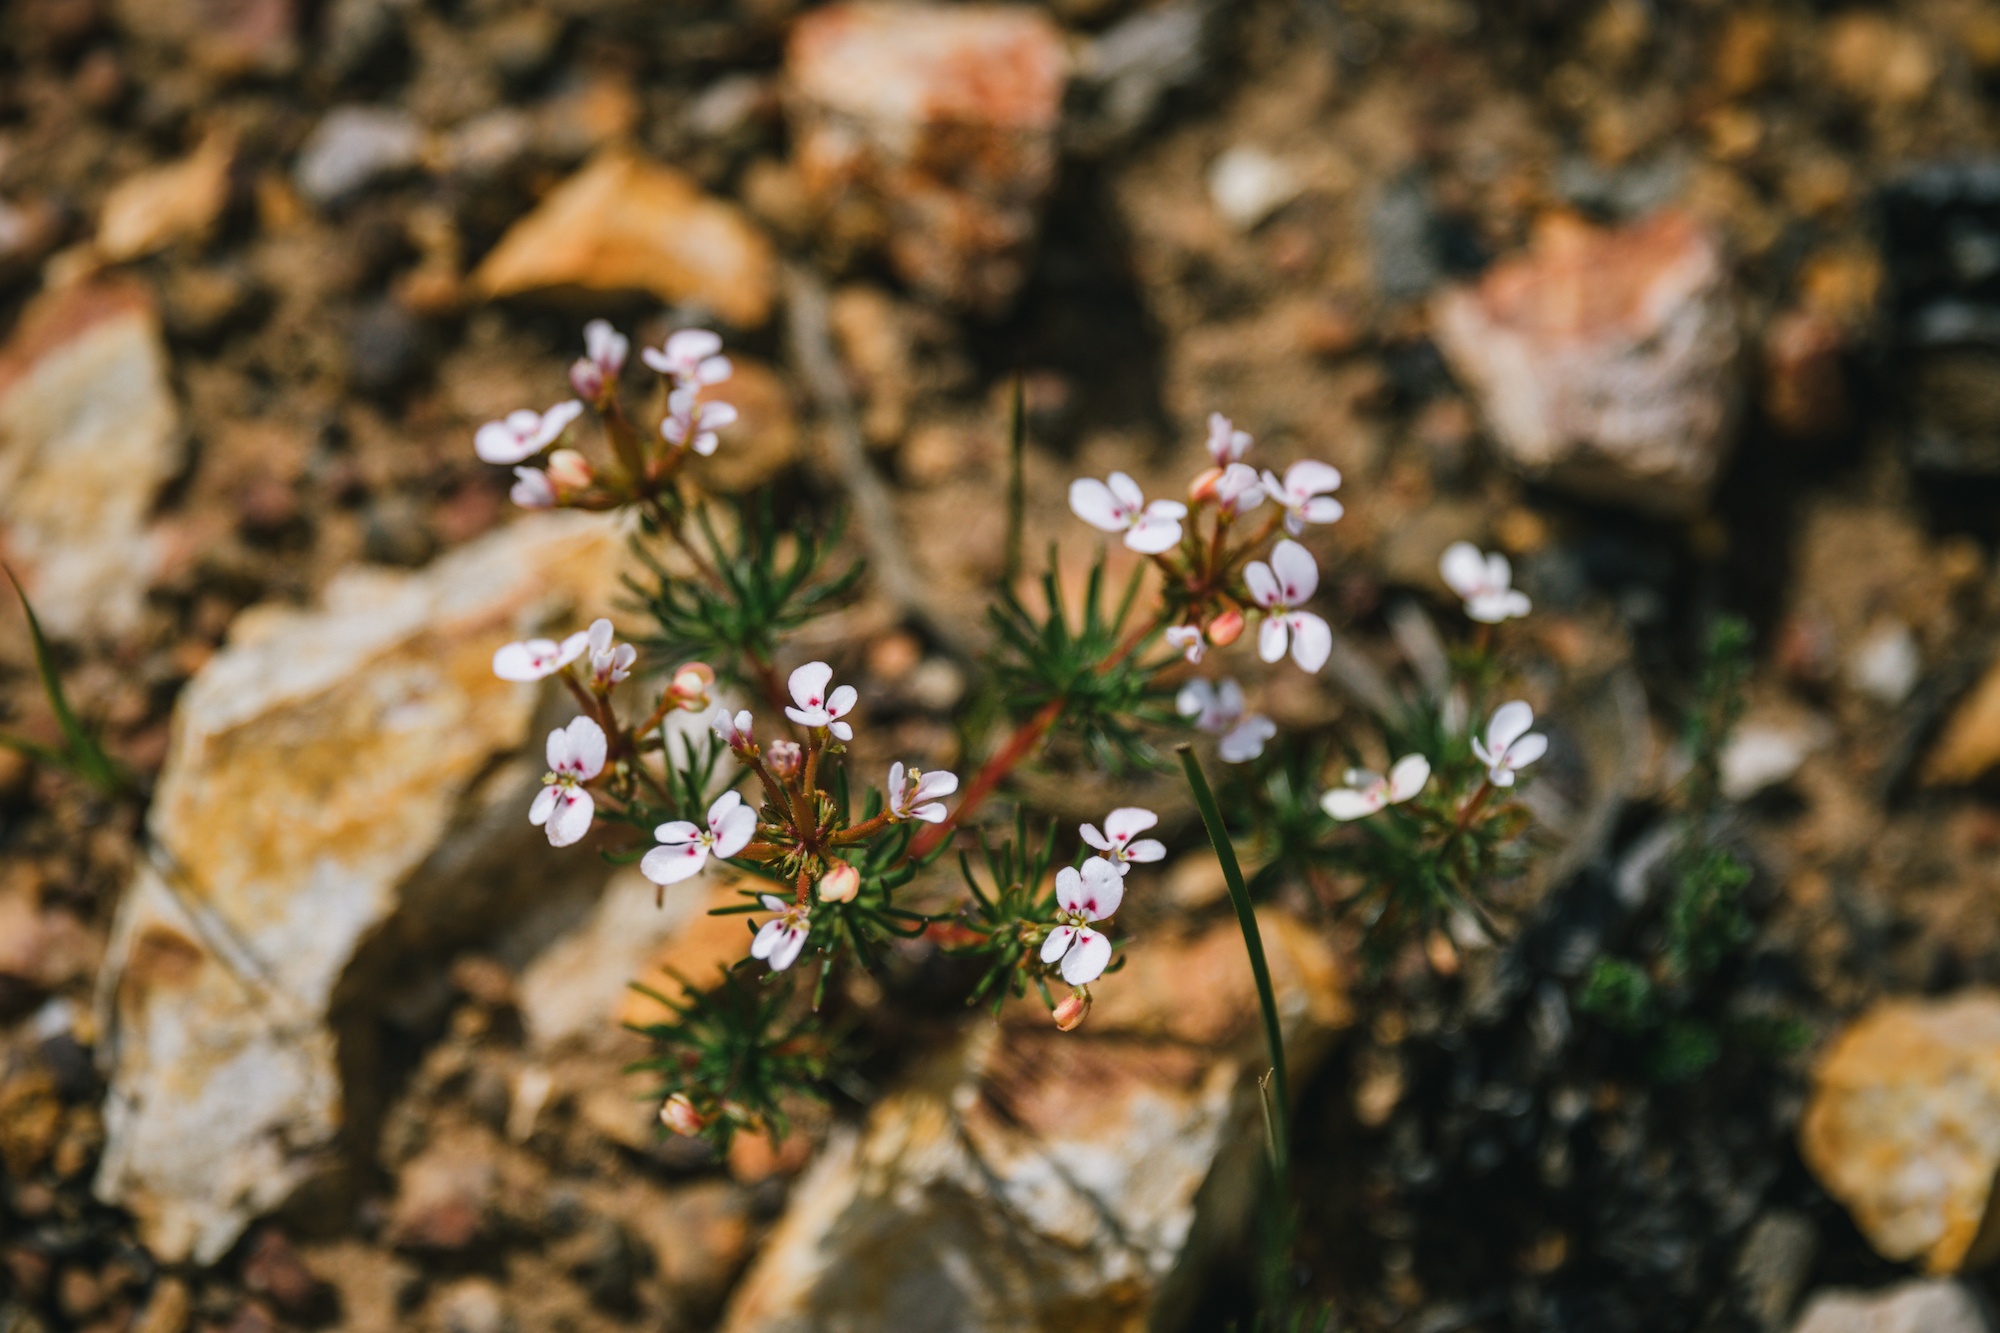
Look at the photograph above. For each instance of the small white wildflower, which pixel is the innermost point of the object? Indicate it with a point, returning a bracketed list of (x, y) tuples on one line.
[(780, 939), (1188, 639), (913, 793), (1367, 792), (1119, 506), (523, 434), (1280, 588), (1484, 581), (1084, 896), (1116, 840), (685, 847), (1303, 494), (1239, 490), (734, 731), (604, 350), (1219, 711), (695, 423), (610, 663), (1510, 745), (531, 489), (1226, 444), (563, 807), (689, 356), (537, 659), (817, 707)]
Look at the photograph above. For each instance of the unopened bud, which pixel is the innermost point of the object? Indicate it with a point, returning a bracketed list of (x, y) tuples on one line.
[(679, 1115), (587, 378), (1069, 1014), (569, 471), (691, 685), (1203, 486), (840, 883), (1225, 628), (784, 757)]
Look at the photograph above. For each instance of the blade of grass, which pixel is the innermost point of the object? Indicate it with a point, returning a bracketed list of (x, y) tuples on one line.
[(82, 752)]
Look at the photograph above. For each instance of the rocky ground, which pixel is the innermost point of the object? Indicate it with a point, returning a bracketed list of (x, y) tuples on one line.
[(1688, 308)]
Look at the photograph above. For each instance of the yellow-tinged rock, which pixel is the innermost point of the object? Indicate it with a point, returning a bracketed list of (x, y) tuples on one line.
[(1969, 745), (626, 223), (152, 209), (1903, 1127)]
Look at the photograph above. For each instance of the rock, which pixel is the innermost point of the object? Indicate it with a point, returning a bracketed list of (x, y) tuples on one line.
[(1805, 388), (626, 223), (152, 209), (1247, 185), (1605, 362), (1874, 59), (352, 148), (167, 1309), (1903, 1127), (943, 118), (1911, 1307), (1026, 1175), (345, 791), (42, 949), (89, 432), (1969, 743), (1887, 664), (27, 232), (576, 988), (223, 37), (274, 1270), (702, 1237), (473, 1305), (444, 1199), (1773, 1265), (1765, 751)]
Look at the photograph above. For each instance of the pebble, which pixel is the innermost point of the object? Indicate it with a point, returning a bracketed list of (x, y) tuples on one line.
[(1766, 753), (1247, 185), (354, 147), (1887, 665), (152, 209), (1910, 1307), (473, 1305), (1968, 745)]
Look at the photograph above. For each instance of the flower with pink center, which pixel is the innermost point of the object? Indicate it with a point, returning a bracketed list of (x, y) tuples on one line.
[(685, 847), (538, 659), (523, 434), (1188, 639), (1226, 444), (531, 489), (1238, 490), (563, 808), (1367, 792), (689, 356), (1486, 582), (840, 884), (1510, 745), (1083, 896), (913, 793), (1121, 826), (610, 663), (690, 686), (1303, 493), (1219, 710), (734, 730), (695, 423), (1281, 588), (817, 707), (604, 350), (780, 939), (1117, 505)]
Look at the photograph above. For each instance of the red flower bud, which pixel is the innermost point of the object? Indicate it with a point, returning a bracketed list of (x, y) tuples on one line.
[(679, 1115), (840, 883), (1225, 628), (1069, 1014)]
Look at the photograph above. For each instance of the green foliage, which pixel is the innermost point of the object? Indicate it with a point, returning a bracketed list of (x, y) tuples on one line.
[(766, 579), (1007, 918), (80, 752), (1620, 993), (736, 1052), (1091, 668)]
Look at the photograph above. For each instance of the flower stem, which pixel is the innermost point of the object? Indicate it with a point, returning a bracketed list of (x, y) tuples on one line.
[(991, 774), (1278, 1107)]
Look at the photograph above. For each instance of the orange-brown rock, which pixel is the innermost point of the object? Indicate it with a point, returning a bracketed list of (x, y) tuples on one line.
[(152, 209)]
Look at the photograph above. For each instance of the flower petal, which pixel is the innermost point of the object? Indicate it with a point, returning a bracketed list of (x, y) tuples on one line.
[(1086, 962), (719, 809), (1262, 582), (1312, 640), (1297, 571), (672, 864), (1126, 491), (1057, 943), (1146, 849), (1153, 534), (808, 685), (769, 935), (1103, 888), (789, 946), (1272, 636), (1309, 477), (1510, 722), (1408, 777), (737, 828), (1246, 739), (1345, 803), (841, 701), (1322, 509), (1069, 889), (587, 747), (545, 804), (1195, 698), (1091, 500), (1089, 834), (1127, 820), (1462, 568), (570, 819), (1527, 750), (678, 831)]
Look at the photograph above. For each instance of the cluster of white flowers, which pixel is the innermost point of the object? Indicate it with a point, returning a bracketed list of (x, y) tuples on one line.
[(692, 359), (1219, 710), (1093, 892), (1509, 746)]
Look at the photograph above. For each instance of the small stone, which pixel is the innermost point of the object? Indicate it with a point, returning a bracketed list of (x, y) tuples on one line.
[(1903, 1127), (1969, 743), (167, 1309), (1887, 665), (576, 987), (223, 37), (354, 147), (1764, 752), (944, 117), (874, 338), (626, 223), (1910, 1307), (702, 1235), (384, 348), (153, 209), (41, 949), (1873, 58), (27, 233), (273, 1269), (1773, 1265), (443, 1200), (89, 432), (1247, 185), (1605, 361), (1805, 388), (473, 1305)]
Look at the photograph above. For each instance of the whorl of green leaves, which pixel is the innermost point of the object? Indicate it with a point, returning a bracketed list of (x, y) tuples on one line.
[(1006, 911)]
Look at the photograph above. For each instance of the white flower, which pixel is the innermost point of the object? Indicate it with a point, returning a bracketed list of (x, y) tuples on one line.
[(1091, 894), (525, 433), (690, 357), (1116, 840), (1484, 581), (1280, 587), (735, 731), (1367, 792), (909, 792), (694, 423), (563, 807), (609, 663), (1510, 746), (779, 940), (816, 707), (1118, 506), (532, 490), (604, 350), (1226, 444), (1303, 494), (1187, 638), (1218, 710), (685, 848), (1238, 490), (537, 659)]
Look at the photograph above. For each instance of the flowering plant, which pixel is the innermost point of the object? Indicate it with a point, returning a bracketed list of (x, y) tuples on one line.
[(766, 789)]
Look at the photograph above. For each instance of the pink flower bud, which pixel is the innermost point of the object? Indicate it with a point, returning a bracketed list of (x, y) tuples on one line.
[(1075, 1007), (586, 377), (691, 685), (1224, 629), (1203, 486), (679, 1115), (840, 883), (569, 471), (784, 758)]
